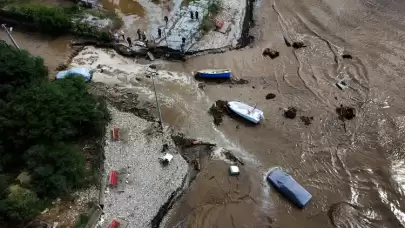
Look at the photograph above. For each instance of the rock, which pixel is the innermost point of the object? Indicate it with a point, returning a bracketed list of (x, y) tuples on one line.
[(253, 87), (270, 96), (307, 120), (347, 56), (271, 53), (298, 45), (290, 113), (239, 81), (347, 113)]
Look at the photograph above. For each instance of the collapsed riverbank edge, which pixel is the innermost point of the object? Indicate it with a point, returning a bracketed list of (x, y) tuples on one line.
[(191, 150), (96, 34)]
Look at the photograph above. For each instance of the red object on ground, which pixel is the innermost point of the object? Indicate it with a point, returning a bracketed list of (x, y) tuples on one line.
[(113, 178), (114, 224), (219, 24), (116, 133)]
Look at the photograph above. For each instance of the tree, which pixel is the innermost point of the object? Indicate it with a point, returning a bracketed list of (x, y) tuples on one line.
[(56, 169), (20, 204), (62, 110), (18, 68)]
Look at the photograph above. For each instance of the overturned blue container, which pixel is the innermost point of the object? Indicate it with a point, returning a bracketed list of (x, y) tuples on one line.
[(85, 73), (288, 187)]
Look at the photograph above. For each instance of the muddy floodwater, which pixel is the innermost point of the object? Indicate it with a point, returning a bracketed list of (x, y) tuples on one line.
[(355, 169)]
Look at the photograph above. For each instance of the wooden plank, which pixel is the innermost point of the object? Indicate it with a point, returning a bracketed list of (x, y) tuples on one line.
[(150, 55)]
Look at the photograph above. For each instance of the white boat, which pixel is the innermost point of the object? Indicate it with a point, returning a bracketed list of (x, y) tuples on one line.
[(247, 112)]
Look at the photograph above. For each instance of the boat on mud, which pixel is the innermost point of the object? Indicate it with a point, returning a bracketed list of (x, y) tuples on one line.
[(288, 187), (247, 112), (215, 73)]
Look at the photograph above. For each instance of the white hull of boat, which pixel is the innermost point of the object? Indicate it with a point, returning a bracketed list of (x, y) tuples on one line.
[(247, 112)]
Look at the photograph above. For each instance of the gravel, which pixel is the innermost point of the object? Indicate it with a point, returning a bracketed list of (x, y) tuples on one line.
[(146, 185)]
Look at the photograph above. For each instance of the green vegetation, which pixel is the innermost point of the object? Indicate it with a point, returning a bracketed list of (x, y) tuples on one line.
[(41, 123), (208, 24), (58, 20), (214, 7)]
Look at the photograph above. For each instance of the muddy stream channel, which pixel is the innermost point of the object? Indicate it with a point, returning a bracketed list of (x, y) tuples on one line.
[(355, 169)]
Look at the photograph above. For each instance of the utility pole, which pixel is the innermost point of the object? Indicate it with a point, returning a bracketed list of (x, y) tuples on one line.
[(10, 36), (153, 74)]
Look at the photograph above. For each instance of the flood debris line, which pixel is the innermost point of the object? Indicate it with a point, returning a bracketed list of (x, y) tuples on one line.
[(290, 113), (307, 120), (270, 53), (270, 96), (141, 177), (125, 101), (218, 110)]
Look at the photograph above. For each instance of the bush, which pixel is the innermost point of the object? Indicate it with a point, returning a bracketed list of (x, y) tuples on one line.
[(62, 110), (55, 18), (214, 7), (18, 69), (56, 169), (207, 25), (20, 204)]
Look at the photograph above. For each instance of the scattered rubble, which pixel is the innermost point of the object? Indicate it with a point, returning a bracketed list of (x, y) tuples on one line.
[(218, 110), (271, 53), (290, 113), (298, 44), (270, 96), (307, 120), (344, 112)]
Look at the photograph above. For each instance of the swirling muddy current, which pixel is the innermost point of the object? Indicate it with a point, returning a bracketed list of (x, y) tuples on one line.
[(355, 169)]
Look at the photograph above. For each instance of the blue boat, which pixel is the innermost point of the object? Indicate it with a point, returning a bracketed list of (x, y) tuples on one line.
[(215, 73), (288, 187)]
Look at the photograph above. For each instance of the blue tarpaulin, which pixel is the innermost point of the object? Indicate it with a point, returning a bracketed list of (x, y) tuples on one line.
[(288, 187), (77, 71)]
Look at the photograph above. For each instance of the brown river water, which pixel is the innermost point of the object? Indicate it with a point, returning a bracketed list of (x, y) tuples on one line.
[(355, 170)]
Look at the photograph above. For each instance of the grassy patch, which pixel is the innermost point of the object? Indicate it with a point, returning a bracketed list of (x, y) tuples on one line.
[(156, 1), (214, 7)]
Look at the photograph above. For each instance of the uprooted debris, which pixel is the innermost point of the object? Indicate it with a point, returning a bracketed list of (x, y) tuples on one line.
[(271, 53), (347, 56), (218, 110), (306, 119), (344, 112), (270, 96), (290, 113), (298, 45)]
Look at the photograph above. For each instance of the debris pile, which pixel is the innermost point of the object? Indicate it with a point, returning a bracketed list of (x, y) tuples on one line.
[(344, 112), (218, 110), (290, 113), (298, 44), (271, 53), (306, 119)]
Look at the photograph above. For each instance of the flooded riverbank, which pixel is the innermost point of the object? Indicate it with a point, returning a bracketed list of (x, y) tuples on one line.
[(354, 169)]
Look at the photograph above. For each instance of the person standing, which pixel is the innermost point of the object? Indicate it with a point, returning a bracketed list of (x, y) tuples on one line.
[(166, 19), (139, 34), (129, 41), (196, 15), (160, 33), (116, 37), (191, 15), (122, 34), (144, 36)]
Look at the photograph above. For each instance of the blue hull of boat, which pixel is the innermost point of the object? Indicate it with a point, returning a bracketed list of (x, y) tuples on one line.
[(288, 187), (215, 75)]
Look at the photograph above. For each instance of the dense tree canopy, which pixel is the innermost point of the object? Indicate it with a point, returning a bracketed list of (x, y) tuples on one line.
[(41, 122), (18, 68)]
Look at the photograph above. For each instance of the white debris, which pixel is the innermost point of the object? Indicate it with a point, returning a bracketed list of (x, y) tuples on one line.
[(234, 170)]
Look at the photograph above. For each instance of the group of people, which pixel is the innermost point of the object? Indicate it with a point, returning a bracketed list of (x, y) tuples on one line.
[(141, 36)]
